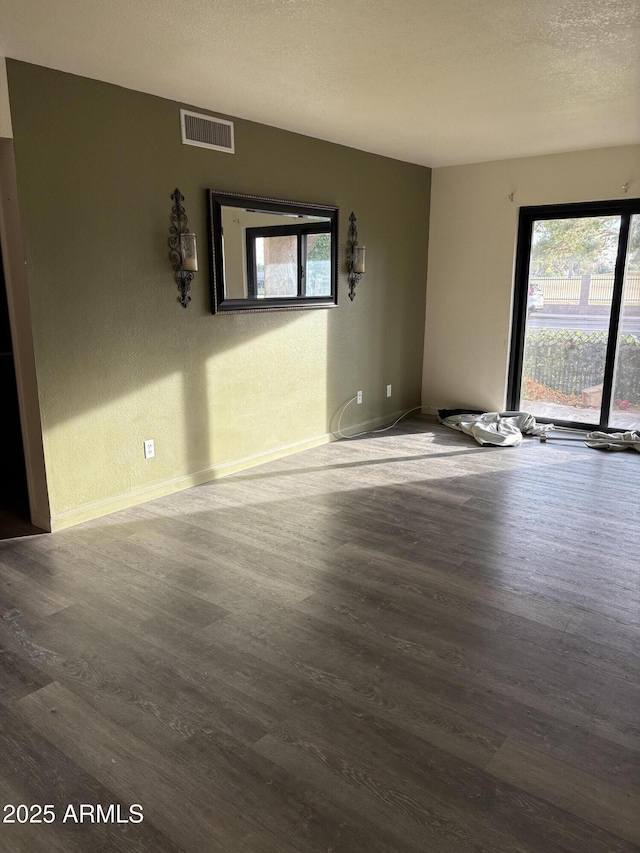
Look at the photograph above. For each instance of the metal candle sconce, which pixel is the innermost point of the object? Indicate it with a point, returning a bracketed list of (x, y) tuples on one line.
[(355, 257), (183, 251)]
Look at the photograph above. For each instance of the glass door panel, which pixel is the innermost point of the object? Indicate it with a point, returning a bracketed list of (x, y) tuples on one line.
[(277, 266), (569, 296), (625, 399)]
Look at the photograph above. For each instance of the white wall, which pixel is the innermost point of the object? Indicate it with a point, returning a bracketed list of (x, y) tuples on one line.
[(5, 115), (472, 243)]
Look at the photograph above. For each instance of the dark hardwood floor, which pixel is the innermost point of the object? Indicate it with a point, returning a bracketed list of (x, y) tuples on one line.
[(400, 643)]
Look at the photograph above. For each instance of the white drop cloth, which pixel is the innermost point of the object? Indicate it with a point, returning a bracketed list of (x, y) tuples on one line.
[(503, 430), (614, 440)]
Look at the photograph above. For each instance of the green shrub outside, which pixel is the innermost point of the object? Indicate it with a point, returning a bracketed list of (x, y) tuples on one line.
[(570, 360)]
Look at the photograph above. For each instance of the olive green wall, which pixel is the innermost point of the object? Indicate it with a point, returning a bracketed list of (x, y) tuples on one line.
[(119, 360)]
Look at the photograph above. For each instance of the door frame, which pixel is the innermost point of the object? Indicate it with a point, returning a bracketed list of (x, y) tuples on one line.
[(624, 208), (15, 274)]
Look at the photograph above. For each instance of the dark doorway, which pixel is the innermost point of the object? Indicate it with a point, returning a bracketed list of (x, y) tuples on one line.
[(14, 496)]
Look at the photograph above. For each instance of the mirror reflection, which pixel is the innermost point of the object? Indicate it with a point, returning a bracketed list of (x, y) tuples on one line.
[(272, 254)]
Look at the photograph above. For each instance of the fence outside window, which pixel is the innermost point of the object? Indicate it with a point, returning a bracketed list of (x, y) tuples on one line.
[(586, 290)]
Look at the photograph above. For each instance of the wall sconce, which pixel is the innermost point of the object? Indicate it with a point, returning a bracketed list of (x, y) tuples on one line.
[(183, 252), (355, 257)]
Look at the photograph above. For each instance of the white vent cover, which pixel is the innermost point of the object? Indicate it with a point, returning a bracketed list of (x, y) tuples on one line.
[(206, 131)]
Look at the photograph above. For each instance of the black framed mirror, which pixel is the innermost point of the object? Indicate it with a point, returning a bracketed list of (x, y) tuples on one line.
[(269, 254)]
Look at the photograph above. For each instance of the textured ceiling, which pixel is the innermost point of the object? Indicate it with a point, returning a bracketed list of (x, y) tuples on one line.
[(434, 82)]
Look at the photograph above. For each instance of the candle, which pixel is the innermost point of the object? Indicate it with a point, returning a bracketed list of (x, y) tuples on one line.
[(358, 259), (189, 252)]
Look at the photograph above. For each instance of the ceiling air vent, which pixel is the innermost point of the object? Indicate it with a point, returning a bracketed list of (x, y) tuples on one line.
[(206, 131)]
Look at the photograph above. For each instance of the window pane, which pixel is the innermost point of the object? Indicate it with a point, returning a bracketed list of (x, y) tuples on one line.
[(279, 273), (318, 265), (625, 400), (570, 288)]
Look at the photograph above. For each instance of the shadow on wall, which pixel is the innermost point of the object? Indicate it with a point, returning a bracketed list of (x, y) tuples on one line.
[(385, 322), (120, 361)]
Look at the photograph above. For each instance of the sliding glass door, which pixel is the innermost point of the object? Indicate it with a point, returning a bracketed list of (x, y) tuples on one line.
[(575, 356), (625, 397)]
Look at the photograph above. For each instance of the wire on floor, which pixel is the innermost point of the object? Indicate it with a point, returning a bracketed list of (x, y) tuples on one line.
[(370, 431)]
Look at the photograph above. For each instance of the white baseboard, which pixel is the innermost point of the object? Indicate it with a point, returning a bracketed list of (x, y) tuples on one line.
[(371, 424), (430, 410), (168, 487)]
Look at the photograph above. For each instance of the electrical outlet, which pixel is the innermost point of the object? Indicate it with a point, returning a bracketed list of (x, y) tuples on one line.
[(358, 397), (149, 449), (388, 390)]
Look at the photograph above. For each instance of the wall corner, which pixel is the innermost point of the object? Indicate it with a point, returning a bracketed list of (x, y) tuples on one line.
[(6, 129)]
